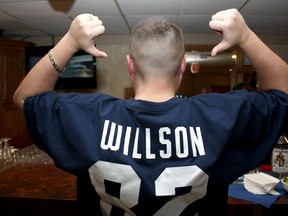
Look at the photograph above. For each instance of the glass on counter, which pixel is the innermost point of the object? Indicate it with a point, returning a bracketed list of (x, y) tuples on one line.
[(9, 156), (6, 154), (31, 154)]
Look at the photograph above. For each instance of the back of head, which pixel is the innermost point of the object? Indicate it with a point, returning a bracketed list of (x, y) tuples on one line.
[(157, 47)]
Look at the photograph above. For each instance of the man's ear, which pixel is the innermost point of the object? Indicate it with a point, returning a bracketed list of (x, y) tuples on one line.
[(183, 65), (130, 65)]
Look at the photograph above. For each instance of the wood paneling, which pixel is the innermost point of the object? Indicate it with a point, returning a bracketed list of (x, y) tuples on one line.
[(12, 71)]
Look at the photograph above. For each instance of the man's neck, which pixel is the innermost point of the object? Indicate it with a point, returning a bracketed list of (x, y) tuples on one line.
[(154, 96)]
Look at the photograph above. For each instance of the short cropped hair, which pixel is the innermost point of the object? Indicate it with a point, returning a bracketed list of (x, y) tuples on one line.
[(157, 46)]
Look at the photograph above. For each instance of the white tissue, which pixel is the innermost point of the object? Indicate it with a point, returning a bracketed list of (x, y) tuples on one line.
[(261, 183)]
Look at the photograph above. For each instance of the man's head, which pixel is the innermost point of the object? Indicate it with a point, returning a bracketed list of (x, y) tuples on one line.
[(156, 48)]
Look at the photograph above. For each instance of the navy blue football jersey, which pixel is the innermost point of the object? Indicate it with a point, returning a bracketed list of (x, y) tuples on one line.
[(147, 158)]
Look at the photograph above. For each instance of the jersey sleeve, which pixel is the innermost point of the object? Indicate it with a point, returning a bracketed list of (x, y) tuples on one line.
[(56, 125), (261, 121)]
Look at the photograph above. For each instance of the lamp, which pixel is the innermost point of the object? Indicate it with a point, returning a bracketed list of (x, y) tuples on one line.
[(194, 57), (62, 6), (195, 67)]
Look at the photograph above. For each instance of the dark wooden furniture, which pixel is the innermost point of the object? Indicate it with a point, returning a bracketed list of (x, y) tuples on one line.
[(12, 71), (43, 189), (238, 207), (37, 189)]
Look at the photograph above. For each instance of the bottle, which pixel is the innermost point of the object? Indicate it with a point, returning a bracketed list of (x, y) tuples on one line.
[(280, 157)]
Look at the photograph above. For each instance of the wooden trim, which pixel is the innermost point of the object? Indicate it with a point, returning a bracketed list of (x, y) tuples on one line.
[(9, 42)]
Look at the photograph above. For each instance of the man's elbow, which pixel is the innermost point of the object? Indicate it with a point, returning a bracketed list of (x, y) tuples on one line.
[(18, 101)]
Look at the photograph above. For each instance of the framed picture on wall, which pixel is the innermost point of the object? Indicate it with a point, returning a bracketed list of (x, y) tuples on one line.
[(246, 60)]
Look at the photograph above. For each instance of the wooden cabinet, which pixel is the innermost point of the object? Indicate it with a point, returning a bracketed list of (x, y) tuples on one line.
[(12, 71)]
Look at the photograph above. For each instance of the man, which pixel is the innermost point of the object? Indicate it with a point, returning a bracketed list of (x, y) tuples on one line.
[(157, 154)]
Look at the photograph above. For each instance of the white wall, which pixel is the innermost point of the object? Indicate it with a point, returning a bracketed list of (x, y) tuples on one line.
[(112, 72)]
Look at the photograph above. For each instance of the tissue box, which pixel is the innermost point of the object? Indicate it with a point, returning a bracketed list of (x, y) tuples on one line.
[(261, 183)]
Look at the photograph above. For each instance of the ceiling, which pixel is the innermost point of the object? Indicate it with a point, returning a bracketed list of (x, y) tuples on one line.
[(37, 18)]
